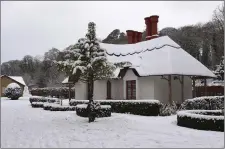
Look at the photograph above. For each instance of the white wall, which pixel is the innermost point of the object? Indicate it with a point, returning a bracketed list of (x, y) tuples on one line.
[(162, 89), (81, 91), (146, 87), (130, 76), (117, 89), (100, 87)]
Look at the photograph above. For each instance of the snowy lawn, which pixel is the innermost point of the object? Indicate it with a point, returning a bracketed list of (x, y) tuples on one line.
[(24, 126)]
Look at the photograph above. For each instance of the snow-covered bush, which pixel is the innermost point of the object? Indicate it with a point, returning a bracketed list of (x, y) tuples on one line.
[(37, 104), (137, 107), (56, 107), (53, 92), (101, 110), (43, 99), (204, 103), (201, 119), (13, 91), (168, 109)]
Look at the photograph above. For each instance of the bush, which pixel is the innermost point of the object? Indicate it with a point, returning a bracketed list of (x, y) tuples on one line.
[(204, 103), (37, 104), (43, 99), (201, 119), (168, 109), (57, 107), (137, 107), (13, 91), (103, 111), (62, 92)]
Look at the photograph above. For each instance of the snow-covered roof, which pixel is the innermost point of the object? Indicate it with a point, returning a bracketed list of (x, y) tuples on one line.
[(159, 56), (65, 80), (18, 79)]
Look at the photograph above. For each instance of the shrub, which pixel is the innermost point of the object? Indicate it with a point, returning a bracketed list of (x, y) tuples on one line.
[(168, 109), (37, 104), (13, 91), (204, 103), (62, 92), (57, 107), (201, 119), (102, 111), (137, 107), (43, 99)]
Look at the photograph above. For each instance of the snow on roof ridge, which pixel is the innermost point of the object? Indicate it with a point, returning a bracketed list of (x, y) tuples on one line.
[(136, 48)]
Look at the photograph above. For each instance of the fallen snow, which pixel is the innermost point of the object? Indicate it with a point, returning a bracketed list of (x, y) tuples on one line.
[(133, 101), (198, 114), (84, 106), (18, 79), (13, 85), (26, 127), (159, 56)]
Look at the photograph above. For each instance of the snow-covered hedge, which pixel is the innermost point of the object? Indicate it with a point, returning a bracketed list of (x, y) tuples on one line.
[(103, 111), (137, 107), (168, 109), (13, 91), (204, 103), (42, 99), (62, 92), (37, 104), (201, 119)]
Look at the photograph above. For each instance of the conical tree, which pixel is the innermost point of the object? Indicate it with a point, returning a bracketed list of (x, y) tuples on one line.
[(88, 62)]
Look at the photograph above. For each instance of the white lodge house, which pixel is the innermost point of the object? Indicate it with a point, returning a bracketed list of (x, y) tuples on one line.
[(159, 69)]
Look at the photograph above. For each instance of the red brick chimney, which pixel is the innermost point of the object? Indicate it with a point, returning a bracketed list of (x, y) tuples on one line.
[(151, 27), (130, 36), (139, 36), (135, 33)]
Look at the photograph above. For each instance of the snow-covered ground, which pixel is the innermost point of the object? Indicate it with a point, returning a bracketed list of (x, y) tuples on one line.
[(24, 126)]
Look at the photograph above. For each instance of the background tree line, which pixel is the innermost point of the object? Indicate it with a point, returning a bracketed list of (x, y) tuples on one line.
[(205, 42)]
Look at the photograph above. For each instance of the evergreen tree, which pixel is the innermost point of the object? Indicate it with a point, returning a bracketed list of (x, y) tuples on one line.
[(220, 69), (87, 61)]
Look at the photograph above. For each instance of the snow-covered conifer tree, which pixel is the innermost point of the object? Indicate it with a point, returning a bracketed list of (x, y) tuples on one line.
[(87, 61), (220, 69)]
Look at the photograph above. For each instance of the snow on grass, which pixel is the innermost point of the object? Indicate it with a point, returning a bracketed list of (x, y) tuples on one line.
[(24, 126)]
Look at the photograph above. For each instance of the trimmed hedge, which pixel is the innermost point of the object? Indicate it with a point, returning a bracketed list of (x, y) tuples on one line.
[(42, 99), (201, 119), (104, 111), (137, 107), (37, 104), (204, 103), (57, 107), (62, 92)]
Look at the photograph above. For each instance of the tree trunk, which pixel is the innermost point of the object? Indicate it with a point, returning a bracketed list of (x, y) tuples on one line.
[(69, 92), (91, 112), (170, 89), (182, 88)]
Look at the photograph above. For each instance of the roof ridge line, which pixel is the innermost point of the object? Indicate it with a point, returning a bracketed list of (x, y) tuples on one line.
[(113, 54)]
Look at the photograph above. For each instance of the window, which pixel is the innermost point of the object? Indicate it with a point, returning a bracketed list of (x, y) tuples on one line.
[(131, 89), (108, 90)]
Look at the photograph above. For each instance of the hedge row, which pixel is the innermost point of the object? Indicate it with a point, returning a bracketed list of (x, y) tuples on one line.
[(62, 92), (42, 99), (201, 119), (204, 103), (137, 107), (37, 104), (104, 111)]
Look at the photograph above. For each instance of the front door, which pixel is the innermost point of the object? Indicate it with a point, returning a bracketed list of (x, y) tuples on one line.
[(131, 89)]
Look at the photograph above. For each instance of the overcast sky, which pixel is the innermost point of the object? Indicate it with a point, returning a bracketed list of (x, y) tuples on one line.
[(32, 28)]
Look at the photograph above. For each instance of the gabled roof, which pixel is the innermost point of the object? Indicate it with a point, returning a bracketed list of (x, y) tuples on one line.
[(159, 56), (17, 79)]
